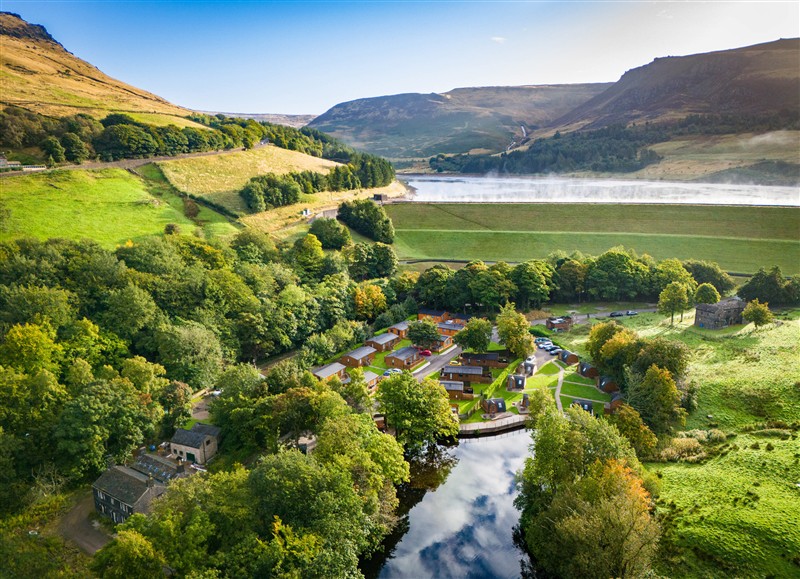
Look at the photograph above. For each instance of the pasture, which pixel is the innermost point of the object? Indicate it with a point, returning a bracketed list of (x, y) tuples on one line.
[(220, 177), (109, 206), (740, 239)]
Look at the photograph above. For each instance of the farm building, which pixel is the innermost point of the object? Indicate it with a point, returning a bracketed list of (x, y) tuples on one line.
[(727, 312), (328, 371), (383, 342), (568, 357), (362, 356), (197, 445), (516, 382), (442, 343), (457, 390), (433, 315), (487, 359), (607, 384), (402, 358), (449, 328), (559, 324), (585, 405), (400, 329), (467, 374), (493, 405), (586, 370)]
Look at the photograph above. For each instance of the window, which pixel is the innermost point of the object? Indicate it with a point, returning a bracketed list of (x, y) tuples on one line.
[(100, 495)]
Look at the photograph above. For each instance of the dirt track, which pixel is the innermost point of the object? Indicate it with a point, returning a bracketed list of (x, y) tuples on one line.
[(78, 528)]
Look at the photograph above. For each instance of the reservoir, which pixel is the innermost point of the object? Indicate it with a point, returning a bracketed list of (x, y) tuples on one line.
[(463, 527), (465, 189)]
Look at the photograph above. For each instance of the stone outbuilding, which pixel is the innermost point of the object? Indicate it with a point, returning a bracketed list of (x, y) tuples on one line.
[(197, 445), (727, 312)]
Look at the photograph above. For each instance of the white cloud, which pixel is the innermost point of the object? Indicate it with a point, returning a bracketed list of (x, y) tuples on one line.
[(498, 39)]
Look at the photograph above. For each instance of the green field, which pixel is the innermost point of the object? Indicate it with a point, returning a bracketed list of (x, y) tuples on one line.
[(110, 206), (740, 239), (735, 514)]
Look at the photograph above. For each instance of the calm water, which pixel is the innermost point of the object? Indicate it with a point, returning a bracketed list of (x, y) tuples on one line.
[(457, 189), (464, 528)]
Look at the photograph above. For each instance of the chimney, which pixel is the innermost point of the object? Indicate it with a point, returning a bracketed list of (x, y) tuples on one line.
[(149, 481)]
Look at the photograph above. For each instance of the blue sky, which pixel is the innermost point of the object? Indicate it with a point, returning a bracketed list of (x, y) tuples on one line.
[(304, 57)]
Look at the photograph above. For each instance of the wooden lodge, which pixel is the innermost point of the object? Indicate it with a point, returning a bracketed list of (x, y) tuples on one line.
[(616, 402), (585, 405), (383, 342), (586, 370), (607, 384), (449, 328), (442, 343), (457, 390), (562, 324), (568, 357), (328, 371), (467, 374), (516, 382), (493, 405), (362, 356), (403, 358), (486, 359), (436, 316), (399, 329)]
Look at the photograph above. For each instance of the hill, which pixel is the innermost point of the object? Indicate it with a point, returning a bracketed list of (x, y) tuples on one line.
[(420, 125), (754, 80), (40, 75)]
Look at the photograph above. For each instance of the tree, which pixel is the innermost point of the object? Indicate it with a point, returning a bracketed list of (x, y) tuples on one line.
[(631, 426), (491, 287), (368, 218), (418, 411), (128, 310), (30, 348), (671, 270), (769, 287), (369, 301), (674, 298), (599, 335), (657, 399), (75, 149), (757, 313), (615, 275), (514, 331), (531, 282), (475, 336), (331, 233), (190, 353), (432, 286), (52, 148), (706, 294), (423, 333), (39, 305), (709, 272), (307, 257), (128, 555)]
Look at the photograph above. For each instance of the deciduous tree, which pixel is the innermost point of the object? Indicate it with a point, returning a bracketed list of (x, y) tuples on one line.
[(476, 335), (674, 298), (514, 331), (757, 313)]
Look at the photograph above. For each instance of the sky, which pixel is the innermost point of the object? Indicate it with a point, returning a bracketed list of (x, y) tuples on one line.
[(304, 57)]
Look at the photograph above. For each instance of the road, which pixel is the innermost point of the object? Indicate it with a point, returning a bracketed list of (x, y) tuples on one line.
[(436, 363)]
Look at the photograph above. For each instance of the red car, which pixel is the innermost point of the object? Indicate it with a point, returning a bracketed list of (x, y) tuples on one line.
[(425, 353)]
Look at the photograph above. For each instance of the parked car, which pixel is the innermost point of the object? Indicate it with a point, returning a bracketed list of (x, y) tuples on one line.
[(391, 371), (454, 363), (425, 353), (631, 313), (541, 340), (617, 314), (545, 345), (531, 359), (555, 351)]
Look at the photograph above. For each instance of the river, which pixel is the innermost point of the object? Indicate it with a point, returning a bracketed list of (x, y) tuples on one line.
[(489, 189), (463, 527)]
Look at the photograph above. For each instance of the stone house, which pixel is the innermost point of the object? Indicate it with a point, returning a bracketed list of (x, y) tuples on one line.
[(727, 312), (197, 445)]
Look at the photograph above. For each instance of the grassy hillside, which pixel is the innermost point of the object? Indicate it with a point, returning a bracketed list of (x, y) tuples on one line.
[(39, 74), (740, 239), (109, 206), (734, 514), (420, 125), (221, 177)]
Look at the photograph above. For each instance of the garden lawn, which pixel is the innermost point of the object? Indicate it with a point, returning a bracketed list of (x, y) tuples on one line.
[(378, 363), (575, 377), (587, 392)]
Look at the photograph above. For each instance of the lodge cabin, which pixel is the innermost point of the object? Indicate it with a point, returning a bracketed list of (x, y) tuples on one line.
[(371, 379), (460, 318), (399, 329), (616, 402), (568, 357), (467, 374), (727, 312), (403, 358), (516, 382), (493, 405), (586, 370), (562, 324), (449, 328), (607, 384), (585, 405), (457, 390), (436, 316), (486, 359), (383, 342), (325, 373), (442, 343), (362, 356)]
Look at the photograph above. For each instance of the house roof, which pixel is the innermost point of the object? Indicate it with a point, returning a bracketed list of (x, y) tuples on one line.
[(162, 469), (400, 326), (361, 352), (427, 312), (499, 403), (483, 356), (607, 380), (123, 483), (404, 353), (585, 366), (370, 376), (442, 338), (329, 370), (517, 378), (733, 303), (208, 429), (190, 438), (450, 325), (462, 370), (383, 338), (453, 385), (585, 404)]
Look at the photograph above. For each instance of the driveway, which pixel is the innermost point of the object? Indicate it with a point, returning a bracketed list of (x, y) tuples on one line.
[(78, 528), (436, 363)]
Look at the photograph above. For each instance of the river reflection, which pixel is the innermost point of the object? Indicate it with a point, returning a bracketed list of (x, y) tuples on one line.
[(464, 527)]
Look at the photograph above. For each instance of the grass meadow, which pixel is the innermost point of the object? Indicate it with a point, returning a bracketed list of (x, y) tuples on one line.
[(110, 206), (221, 177), (740, 239), (735, 513)]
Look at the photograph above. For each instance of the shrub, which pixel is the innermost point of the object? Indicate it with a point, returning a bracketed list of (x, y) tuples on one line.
[(541, 331), (683, 450)]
